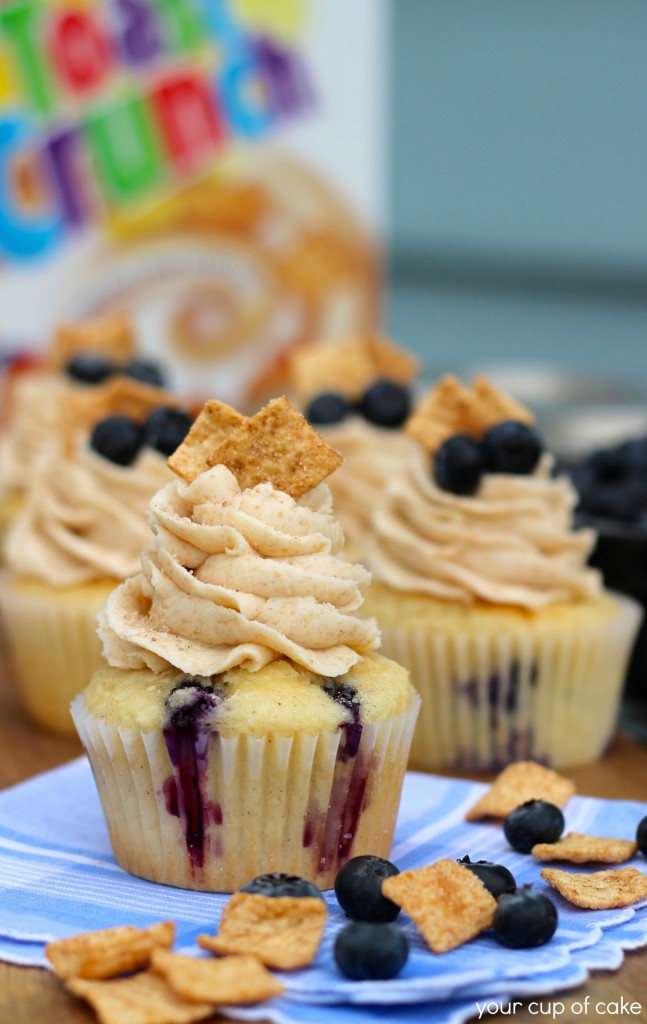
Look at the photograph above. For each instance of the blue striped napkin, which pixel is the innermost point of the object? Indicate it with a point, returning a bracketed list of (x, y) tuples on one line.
[(58, 876)]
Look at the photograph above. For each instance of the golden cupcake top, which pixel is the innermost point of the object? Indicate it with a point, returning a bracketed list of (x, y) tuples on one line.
[(477, 514), (245, 563)]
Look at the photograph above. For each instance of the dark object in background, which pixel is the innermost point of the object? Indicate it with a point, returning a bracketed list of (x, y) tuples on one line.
[(612, 485)]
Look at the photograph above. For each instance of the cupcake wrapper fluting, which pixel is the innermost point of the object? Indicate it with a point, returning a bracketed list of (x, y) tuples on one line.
[(490, 699), (54, 648), (222, 810)]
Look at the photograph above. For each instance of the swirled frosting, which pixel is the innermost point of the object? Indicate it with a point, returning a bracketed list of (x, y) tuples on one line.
[(372, 457), (512, 543), (35, 427), (85, 517), (239, 578)]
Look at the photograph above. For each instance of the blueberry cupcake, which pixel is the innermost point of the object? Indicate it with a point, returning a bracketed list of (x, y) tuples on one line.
[(83, 355), (358, 394), (481, 588), (244, 722), (79, 534)]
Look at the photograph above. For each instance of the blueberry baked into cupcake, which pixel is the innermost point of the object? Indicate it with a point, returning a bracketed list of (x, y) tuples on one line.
[(482, 590), (358, 394), (244, 722), (79, 534)]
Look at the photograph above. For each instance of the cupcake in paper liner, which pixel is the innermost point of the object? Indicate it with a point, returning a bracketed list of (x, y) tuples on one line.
[(357, 392), (79, 534), (482, 591), (81, 356), (244, 722)]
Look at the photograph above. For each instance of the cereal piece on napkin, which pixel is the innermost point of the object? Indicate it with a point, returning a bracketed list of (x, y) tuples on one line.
[(283, 932), (106, 953), (233, 980), (143, 998), (580, 849), (600, 890), (518, 783), (448, 904)]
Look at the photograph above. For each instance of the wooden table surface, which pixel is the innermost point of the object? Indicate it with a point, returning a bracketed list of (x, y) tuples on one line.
[(34, 996)]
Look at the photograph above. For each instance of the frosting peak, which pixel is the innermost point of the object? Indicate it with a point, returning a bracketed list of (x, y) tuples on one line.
[(85, 518), (237, 578), (512, 543)]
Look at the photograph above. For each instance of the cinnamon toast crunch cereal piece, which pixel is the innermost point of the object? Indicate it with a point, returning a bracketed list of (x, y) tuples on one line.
[(119, 396), (350, 366), (448, 904), (209, 431), (490, 406), (442, 412), (106, 953), (600, 890), (581, 849), (453, 408), (143, 998), (276, 445), (519, 782), (345, 366), (233, 980), (110, 336), (392, 361), (283, 932)]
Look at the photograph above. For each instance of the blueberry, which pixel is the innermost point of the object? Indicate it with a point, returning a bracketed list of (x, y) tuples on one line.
[(117, 438), (358, 888), (191, 700), (89, 368), (144, 370), (458, 465), (278, 884), (641, 836), (607, 466), (371, 952), (625, 500), (511, 447), (341, 692), (634, 456), (495, 877), (536, 821), (524, 919), (165, 429), (385, 403), (328, 407)]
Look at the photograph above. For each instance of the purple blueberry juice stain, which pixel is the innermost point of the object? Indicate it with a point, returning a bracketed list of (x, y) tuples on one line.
[(187, 734), (346, 695), (169, 790), (349, 784)]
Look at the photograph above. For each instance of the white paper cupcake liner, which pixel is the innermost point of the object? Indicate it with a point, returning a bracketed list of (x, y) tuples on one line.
[(490, 699), (294, 804), (54, 647)]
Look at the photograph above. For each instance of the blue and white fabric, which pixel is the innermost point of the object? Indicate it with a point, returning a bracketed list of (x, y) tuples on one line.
[(58, 876)]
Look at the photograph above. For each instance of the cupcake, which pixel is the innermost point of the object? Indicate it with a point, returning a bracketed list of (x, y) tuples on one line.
[(482, 590), (357, 393), (80, 534), (82, 355), (244, 722)]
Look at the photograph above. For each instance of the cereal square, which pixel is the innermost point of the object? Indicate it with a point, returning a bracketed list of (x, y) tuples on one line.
[(283, 932), (448, 904), (519, 782)]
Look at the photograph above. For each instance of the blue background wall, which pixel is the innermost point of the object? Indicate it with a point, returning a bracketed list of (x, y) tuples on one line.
[(518, 181)]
